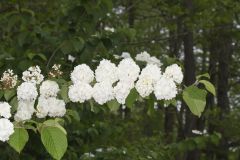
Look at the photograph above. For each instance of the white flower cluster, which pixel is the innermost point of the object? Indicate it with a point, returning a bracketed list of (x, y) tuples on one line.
[(125, 74), (174, 72), (26, 94), (111, 82), (48, 104), (82, 73), (145, 57), (106, 71), (5, 110), (128, 72), (8, 80), (166, 87), (6, 126), (147, 79), (103, 92), (81, 90), (33, 75)]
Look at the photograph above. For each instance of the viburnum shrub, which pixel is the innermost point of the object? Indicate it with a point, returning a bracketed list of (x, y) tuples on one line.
[(40, 103)]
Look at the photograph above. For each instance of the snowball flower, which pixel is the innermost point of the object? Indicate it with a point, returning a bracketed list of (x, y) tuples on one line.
[(50, 106), (165, 89), (42, 107), (144, 86), (125, 55), (143, 56), (49, 89), (128, 70), (174, 72), (82, 73), (56, 108), (106, 71), (152, 71), (33, 75), (5, 110), (25, 110), (6, 129), (121, 91), (27, 91), (147, 79), (80, 92), (154, 60), (103, 92)]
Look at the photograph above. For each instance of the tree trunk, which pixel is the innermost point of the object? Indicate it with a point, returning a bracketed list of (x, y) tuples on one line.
[(171, 111), (224, 52), (189, 77)]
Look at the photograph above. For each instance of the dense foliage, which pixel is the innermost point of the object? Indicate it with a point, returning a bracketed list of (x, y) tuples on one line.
[(201, 36)]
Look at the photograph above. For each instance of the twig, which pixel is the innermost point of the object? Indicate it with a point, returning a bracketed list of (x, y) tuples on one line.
[(53, 54)]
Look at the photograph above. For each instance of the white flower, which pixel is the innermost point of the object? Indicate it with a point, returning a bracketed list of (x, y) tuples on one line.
[(143, 56), (27, 91), (57, 108), (71, 58), (152, 71), (9, 79), (174, 72), (122, 90), (165, 89), (144, 86), (5, 110), (106, 71), (33, 75), (154, 60), (82, 73), (55, 71), (128, 70), (103, 92), (42, 107), (147, 79), (110, 29), (49, 89), (50, 106), (125, 55), (6, 129), (80, 92), (25, 110)]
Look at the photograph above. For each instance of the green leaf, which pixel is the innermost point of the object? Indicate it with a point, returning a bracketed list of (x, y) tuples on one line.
[(33, 55), (94, 108), (131, 98), (195, 98), (18, 139), (55, 141), (209, 86), (14, 103), (206, 75), (1, 93), (74, 114), (64, 93), (54, 123), (8, 94), (113, 105)]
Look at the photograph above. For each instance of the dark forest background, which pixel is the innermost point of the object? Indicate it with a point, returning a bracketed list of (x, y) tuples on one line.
[(202, 35)]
